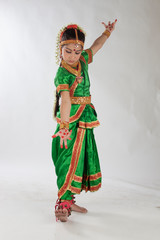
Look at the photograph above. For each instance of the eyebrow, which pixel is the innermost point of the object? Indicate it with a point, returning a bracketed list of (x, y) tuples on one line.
[(72, 50)]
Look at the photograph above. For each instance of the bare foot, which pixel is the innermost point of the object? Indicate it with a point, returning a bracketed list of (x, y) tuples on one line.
[(76, 208), (61, 214)]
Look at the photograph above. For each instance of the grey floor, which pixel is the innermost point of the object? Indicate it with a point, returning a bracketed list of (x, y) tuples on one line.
[(118, 211)]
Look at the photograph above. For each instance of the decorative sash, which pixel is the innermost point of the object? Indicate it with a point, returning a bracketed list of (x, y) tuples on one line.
[(76, 72)]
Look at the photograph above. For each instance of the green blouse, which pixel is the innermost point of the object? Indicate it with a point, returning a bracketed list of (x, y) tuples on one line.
[(84, 115)]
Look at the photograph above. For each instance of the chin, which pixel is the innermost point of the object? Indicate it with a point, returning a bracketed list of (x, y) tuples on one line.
[(71, 63)]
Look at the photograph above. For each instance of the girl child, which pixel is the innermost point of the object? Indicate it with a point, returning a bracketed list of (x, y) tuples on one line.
[(74, 151)]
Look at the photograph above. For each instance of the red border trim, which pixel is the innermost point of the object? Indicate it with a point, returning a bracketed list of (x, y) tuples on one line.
[(91, 188), (74, 162), (62, 87), (76, 116), (89, 124), (89, 52), (83, 59)]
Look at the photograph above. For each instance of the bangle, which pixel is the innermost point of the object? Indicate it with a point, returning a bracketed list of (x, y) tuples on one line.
[(107, 33), (64, 124)]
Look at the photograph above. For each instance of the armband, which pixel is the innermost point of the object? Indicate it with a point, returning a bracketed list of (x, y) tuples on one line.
[(64, 124), (107, 33)]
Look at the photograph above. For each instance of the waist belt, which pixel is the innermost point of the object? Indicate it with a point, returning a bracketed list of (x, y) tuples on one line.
[(81, 100)]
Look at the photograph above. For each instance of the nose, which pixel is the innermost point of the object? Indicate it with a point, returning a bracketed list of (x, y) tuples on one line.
[(72, 56)]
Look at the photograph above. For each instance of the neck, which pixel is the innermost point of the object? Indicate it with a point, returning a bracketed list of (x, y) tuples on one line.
[(74, 64)]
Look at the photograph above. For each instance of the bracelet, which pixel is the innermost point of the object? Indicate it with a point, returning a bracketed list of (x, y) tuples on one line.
[(107, 33), (64, 124)]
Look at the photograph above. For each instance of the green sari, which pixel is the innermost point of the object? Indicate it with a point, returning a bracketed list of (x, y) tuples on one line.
[(77, 167)]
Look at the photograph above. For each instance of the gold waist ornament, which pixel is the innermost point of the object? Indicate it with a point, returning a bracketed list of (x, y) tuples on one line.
[(80, 100)]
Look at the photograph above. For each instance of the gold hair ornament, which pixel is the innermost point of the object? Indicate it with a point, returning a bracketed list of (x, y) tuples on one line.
[(59, 43)]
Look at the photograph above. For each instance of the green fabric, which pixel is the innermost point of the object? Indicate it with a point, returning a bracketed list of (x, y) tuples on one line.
[(83, 89), (88, 161)]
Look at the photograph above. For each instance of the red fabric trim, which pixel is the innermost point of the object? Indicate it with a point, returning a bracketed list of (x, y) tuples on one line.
[(73, 87), (76, 116), (89, 124), (75, 190), (62, 87), (74, 162), (92, 177), (83, 59), (91, 188), (89, 52), (77, 178), (92, 106)]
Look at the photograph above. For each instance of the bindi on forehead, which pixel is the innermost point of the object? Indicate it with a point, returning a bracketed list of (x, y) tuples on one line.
[(74, 49)]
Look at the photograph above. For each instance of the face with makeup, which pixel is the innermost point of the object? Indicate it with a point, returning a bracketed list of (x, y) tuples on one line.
[(71, 53)]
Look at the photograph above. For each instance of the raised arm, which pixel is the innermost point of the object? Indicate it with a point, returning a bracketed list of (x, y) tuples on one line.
[(98, 43)]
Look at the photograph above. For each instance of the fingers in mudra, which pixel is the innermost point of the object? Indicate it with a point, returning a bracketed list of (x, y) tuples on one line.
[(64, 134), (110, 27)]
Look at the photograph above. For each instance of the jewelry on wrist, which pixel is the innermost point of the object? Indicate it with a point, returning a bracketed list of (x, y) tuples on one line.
[(107, 33), (64, 124)]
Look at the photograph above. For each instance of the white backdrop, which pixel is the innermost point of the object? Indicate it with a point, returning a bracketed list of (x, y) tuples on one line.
[(125, 83)]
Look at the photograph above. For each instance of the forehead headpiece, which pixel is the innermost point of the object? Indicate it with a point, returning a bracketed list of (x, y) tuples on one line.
[(60, 43), (76, 41)]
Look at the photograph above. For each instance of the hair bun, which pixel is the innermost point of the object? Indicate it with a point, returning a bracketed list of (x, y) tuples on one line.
[(72, 26)]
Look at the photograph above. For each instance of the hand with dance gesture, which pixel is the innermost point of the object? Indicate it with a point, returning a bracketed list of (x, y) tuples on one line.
[(111, 26), (64, 134)]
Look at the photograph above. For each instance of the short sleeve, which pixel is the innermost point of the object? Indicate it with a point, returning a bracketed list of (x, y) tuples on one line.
[(61, 82), (87, 56)]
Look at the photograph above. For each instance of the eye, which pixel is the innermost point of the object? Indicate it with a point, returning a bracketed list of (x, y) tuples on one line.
[(67, 51), (78, 53)]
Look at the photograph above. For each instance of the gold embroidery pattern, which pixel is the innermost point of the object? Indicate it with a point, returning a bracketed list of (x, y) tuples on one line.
[(81, 100), (62, 87), (74, 161), (77, 41), (76, 116), (88, 51), (73, 88), (89, 124), (75, 72), (75, 190), (92, 177), (91, 188), (77, 178)]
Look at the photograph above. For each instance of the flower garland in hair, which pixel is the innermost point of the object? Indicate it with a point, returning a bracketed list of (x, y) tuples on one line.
[(59, 36)]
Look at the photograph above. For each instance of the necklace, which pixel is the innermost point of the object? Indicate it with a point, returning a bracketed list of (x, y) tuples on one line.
[(76, 72)]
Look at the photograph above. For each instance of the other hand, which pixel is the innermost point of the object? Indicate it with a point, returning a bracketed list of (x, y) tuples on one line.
[(111, 26), (64, 134)]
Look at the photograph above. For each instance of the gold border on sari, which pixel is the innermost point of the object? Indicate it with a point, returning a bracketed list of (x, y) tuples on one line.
[(73, 88), (91, 188), (89, 124), (62, 87), (75, 190), (74, 162), (77, 178), (76, 116), (92, 177), (76, 72)]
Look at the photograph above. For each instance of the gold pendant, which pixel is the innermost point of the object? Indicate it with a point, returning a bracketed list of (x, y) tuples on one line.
[(79, 79)]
